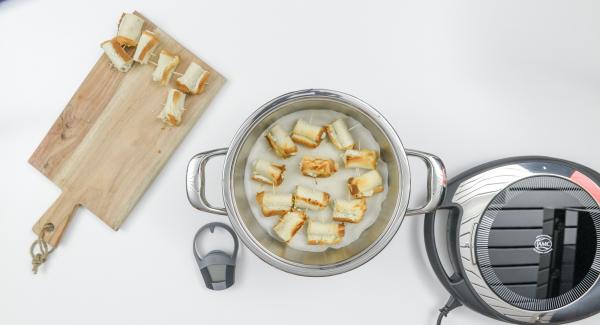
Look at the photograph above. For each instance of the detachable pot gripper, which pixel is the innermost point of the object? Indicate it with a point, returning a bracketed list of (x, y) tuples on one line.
[(217, 267)]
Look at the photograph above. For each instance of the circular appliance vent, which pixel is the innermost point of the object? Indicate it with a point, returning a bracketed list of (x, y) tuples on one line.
[(538, 244)]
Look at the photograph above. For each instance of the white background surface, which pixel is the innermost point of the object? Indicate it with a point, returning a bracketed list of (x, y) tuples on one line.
[(470, 81)]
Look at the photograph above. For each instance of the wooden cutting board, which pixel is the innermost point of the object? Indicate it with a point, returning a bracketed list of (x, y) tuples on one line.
[(107, 145)]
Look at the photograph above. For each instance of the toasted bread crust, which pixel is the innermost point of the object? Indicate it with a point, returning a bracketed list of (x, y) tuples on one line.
[(269, 213), (279, 151), (199, 88), (298, 227), (153, 42), (317, 167), (304, 141), (355, 191), (307, 134), (182, 87), (361, 159), (341, 230), (294, 230), (325, 203), (333, 137), (273, 178), (169, 69), (172, 120), (173, 110), (360, 213), (261, 179), (353, 188), (202, 83), (348, 220), (125, 41), (259, 197), (119, 50)]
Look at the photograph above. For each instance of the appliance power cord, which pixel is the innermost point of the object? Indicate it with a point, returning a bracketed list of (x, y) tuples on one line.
[(451, 304)]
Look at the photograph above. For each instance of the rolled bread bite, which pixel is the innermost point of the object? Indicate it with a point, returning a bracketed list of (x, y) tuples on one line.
[(165, 66), (308, 198), (351, 211), (281, 142), (289, 224), (130, 29), (365, 185), (274, 204), (320, 233), (268, 172), (307, 134), (117, 55), (193, 79), (174, 108), (317, 167), (146, 45), (339, 135), (365, 158)]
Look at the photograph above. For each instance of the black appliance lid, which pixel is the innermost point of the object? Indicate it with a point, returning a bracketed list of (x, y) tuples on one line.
[(537, 243), (523, 240)]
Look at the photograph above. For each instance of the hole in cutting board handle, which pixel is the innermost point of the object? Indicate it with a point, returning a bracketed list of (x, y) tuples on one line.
[(58, 215)]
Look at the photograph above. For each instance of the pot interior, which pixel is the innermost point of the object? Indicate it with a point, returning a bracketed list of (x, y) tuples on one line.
[(394, 205)]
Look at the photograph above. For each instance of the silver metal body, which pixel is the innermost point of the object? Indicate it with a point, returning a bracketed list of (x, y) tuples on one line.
[(331, 261), (473, 196)]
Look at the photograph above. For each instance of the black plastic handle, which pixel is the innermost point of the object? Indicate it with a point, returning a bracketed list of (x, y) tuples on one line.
[(449, 281), (217, 267)]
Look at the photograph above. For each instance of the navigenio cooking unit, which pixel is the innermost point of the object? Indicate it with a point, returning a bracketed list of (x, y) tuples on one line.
[(331, 261), (522, 241)]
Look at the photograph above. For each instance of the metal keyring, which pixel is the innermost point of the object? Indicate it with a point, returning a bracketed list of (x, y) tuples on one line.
[(217, 267)]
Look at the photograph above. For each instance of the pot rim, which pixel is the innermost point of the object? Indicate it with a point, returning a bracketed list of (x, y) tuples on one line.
[(355, 261)]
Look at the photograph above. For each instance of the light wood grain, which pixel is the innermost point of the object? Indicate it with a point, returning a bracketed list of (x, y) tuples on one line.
[(107, 146), (76, 119)]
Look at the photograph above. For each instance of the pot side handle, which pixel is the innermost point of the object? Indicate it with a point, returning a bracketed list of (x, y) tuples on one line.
[(436, 186), (196, 183)]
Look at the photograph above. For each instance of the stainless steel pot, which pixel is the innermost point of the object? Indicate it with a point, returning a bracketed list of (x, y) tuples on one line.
[(332, 261)]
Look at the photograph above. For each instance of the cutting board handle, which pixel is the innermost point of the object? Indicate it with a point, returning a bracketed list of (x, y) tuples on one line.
[(59, 215)]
